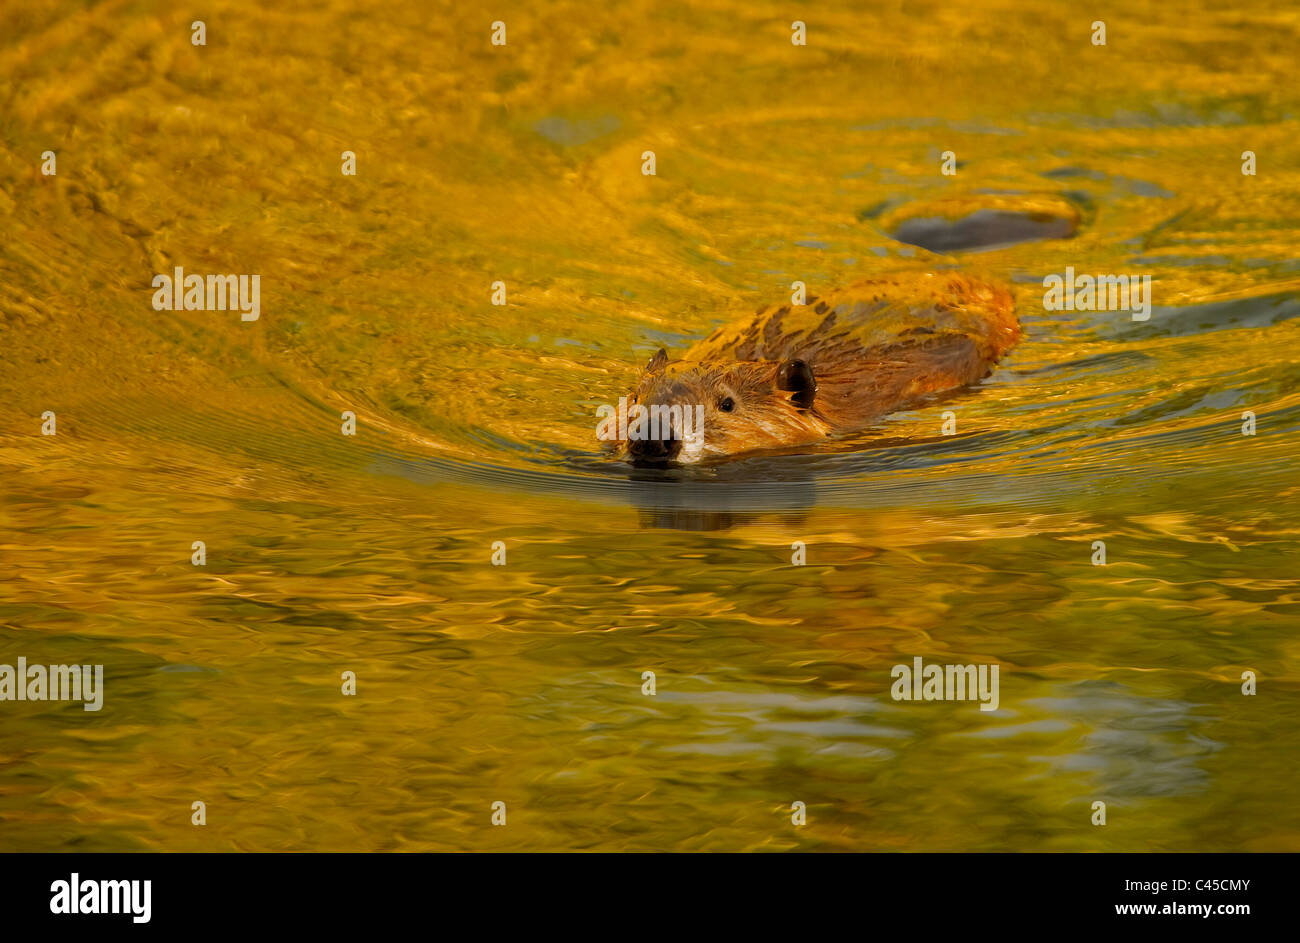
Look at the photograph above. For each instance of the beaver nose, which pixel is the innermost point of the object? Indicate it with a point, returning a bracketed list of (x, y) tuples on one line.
[(654, 451)]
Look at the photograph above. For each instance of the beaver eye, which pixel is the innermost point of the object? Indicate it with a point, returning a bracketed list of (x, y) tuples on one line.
[(727, 404)]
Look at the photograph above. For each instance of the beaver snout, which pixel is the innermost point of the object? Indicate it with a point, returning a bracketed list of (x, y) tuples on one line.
[(654, 451)]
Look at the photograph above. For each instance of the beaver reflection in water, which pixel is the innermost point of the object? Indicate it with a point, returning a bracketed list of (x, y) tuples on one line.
[(792, 374)]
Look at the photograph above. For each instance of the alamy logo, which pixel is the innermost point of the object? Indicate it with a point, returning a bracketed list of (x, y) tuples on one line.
[(1103, 293), (655, 423), (946, 683), (55, 683), (102, 897), (181, 292)]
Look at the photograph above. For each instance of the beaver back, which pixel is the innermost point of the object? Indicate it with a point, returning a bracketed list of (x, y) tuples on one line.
[(878, 345)]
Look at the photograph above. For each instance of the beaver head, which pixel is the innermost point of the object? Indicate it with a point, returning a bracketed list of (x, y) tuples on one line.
[(716, 409)]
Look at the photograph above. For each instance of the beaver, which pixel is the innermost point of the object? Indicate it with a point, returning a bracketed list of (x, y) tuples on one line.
[(794, 374)]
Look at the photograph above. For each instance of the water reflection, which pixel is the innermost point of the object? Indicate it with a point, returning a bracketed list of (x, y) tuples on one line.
[(518, 675)]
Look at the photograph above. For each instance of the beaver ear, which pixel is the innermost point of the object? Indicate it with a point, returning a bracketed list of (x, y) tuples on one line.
[(796, 377), (657, 362)]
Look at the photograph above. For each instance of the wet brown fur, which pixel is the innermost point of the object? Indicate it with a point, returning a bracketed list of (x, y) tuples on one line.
[(875, 347)]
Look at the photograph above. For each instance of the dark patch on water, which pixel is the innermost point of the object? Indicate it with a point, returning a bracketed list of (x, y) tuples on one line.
[(573, 132), (982, 230)]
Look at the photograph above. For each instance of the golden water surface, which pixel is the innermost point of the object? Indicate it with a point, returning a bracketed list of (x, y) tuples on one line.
[(522, 683)]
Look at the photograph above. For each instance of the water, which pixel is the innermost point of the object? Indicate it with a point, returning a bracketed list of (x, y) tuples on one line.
[(522, 683)]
